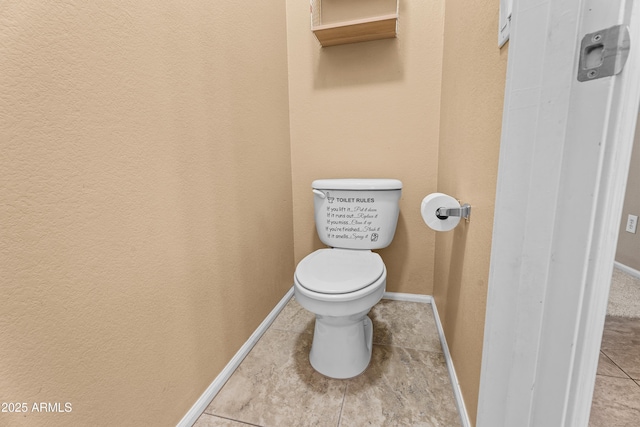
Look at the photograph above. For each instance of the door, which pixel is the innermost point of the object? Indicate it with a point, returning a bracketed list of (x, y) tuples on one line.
[(564, 159)]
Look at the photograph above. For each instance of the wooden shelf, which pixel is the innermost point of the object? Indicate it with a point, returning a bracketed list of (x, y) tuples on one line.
[(337, 22), (359, 30)]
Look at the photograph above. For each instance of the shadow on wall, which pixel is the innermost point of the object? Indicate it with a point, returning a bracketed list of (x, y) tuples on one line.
[(394, 255), (456, 265), (357, 64)]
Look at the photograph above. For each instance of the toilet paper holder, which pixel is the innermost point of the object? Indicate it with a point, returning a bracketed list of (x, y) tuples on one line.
[(463, 211)]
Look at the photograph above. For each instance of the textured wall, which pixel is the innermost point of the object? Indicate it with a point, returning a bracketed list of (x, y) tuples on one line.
[(473, 79), (628, 252), (369, 110), (145, 201)]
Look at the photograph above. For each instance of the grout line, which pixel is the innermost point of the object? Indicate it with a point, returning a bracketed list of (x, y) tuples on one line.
[(234, 420), (344, 397), (408, 348), (618, 366)]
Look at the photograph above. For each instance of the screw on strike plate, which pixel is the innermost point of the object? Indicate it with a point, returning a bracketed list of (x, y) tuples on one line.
[(597, 37), (592, 73)]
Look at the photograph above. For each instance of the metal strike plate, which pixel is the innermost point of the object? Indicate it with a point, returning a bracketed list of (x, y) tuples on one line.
[(603, 53)]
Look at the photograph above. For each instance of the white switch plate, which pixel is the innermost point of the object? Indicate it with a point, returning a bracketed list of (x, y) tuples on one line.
[(632, 223), (504, 27)]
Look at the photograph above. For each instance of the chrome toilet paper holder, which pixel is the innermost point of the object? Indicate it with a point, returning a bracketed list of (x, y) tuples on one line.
[(463, 211)]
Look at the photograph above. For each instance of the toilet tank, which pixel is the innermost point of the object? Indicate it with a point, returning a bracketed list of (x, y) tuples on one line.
[(356, 213)]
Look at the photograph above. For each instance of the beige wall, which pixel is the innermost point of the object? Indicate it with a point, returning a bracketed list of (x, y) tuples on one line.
[(369, 110), (145, 201), (474, 71), (628, 252)]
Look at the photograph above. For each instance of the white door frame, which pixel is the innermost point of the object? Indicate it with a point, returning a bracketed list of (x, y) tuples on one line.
[(564, 161)]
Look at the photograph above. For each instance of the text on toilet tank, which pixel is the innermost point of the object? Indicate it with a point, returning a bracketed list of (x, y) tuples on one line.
[(351, 218), (355, 200)]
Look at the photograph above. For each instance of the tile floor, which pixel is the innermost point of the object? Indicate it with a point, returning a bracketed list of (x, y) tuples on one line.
[(616, 398), (406, 384)]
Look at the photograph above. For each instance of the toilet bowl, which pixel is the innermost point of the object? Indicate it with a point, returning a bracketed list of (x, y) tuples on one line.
[(342, 283), (342, 338)]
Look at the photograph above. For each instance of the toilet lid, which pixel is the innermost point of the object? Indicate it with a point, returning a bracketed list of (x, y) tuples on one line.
[(339, 271)]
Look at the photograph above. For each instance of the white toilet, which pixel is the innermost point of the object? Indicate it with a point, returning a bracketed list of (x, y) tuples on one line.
[(341, 284)]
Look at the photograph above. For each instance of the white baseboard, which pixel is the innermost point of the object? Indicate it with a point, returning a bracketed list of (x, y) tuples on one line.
[(630, 271), (397, 296), (205, 399), (457, 392)]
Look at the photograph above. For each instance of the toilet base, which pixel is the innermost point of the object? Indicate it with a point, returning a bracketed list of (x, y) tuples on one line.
[(342, 346)]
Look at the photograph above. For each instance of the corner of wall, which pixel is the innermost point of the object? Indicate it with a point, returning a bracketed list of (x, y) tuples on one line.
[(470, 126)]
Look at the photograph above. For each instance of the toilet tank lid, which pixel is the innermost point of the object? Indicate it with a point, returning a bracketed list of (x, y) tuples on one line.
[(357, 184)]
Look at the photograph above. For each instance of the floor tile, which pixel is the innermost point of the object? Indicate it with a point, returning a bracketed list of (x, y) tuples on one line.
[(276, 386), (295, 318), (621, 343), (401, 387), (207, 420), (608, 368), (405, 324), (616, 403)]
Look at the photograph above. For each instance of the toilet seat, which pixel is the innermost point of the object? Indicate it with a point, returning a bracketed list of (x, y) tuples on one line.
[(339, 271)]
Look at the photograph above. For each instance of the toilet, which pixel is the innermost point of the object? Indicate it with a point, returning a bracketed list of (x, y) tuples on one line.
[(340, 284)]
